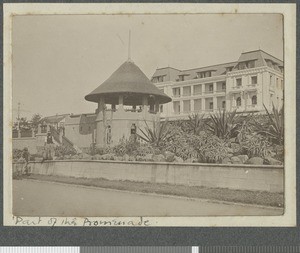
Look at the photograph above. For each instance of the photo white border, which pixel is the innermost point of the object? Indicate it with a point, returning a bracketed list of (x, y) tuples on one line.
[(289, 13)]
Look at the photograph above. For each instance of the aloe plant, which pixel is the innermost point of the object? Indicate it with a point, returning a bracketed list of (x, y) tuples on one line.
[(223, 124), (156, 135), (274, 129), (195, 122)]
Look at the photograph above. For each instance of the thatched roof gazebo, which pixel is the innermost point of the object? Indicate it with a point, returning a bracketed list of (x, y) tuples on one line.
[(127, 86), (129, 82)]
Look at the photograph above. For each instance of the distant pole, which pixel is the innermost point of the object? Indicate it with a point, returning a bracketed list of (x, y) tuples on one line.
[(19, 104), (129, 45)]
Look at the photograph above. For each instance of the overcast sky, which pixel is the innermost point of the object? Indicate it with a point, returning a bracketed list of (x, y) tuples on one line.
[(58, 59)]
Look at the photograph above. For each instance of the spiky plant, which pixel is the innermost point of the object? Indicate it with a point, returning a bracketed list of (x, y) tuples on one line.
[(223, 124), (274, 129), (156, 135), (195, 122)]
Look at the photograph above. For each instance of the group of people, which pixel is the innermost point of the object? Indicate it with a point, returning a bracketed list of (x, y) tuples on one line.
[(48, 154)]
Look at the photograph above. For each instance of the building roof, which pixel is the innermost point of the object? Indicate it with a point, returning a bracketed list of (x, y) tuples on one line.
[(259, 56), (54, 119), (129, 80)]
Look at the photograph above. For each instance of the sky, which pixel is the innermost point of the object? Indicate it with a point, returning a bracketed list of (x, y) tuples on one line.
[(58, 59)]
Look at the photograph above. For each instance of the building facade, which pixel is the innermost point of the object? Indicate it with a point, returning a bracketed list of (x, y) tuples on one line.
[(246, 85)]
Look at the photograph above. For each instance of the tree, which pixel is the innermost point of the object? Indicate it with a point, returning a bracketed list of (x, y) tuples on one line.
[(35, 120)]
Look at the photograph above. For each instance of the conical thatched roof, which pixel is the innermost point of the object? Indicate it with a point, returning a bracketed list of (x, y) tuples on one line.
[(129, 80)]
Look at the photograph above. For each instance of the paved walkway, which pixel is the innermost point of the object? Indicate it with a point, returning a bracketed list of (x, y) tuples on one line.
[(35, 198)]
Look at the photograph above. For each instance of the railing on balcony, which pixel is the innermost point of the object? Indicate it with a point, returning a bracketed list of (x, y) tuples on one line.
[(176, 95), (197, 93), (209, 92), (252, 86)]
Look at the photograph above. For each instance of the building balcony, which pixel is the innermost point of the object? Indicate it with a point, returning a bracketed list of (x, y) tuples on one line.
[(209, 92), (221, 90), (197, 93), (176, 96), (251, 87)]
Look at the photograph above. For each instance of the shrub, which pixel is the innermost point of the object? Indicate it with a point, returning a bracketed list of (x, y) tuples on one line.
[(64, 150), (209, 148), (103, 151), (256, 145), (178, 144), (17, 153)]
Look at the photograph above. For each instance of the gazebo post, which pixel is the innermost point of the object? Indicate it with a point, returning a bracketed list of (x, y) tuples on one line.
[(121, 103), (144, 103), (156, 105), (101, 105)]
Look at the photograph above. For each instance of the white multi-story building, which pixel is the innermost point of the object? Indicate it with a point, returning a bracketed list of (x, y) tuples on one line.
[(256, 79)]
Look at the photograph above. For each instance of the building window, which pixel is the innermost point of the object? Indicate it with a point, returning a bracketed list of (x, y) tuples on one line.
[(186, 91), (186, 106), (181, 78), (176, 92), (229, 69), (211, 88), (271, 80), (176, 107), (197, 89), (204, 74), (254, 100), (253, 79), (211, 105), (161, 108), (81, 129), (223, 104), (108, 134), (160, 79), (223, 86), (250, 64), (197, 105), (238, 102), (239, 82)]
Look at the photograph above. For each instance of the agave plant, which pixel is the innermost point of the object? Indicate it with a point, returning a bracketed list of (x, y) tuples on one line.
[(157, 135), (195, 122), (223, 124), (274, 129)]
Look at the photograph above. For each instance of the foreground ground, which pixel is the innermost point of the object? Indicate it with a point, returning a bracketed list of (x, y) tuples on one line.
[(220, 194), (38, 198)]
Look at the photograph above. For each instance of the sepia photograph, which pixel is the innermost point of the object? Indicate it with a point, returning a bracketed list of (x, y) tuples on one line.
[(149, 115)]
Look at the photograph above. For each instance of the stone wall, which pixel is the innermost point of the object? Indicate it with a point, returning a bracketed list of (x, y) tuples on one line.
[(232, 176)]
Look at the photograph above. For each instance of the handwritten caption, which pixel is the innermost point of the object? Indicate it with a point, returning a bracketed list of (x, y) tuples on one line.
[(83, 222)]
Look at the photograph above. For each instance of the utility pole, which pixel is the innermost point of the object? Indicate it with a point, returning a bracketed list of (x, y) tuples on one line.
[(19, 105), (129, 46)]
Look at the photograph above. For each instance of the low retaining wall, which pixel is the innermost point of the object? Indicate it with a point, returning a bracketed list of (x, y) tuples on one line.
[(232, 176)]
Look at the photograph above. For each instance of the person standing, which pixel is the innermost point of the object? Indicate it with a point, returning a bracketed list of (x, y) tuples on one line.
[(26, 156), (49, 146)]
